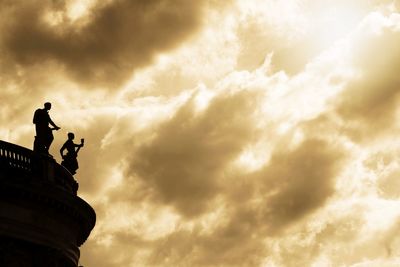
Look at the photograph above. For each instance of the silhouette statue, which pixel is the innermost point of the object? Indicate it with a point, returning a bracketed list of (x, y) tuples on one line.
[(44, 135), (69, 160)]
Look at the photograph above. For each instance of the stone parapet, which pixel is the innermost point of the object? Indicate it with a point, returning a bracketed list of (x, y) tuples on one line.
[(39, 208)]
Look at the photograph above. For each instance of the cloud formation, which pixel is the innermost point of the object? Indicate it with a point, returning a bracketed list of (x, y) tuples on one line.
[(104, 46), (258, 138), (301, 181), (186, 158), (370, 100)]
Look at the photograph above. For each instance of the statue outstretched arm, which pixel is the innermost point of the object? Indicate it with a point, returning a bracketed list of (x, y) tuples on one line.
[(53, 124)]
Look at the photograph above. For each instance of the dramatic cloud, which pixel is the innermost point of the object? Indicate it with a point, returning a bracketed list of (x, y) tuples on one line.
[(370, 100), (300, 181), (243, 133), (103, 46), (189, 153), (291, 186)]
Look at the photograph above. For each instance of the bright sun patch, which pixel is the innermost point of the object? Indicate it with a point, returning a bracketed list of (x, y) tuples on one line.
[(330, 21)]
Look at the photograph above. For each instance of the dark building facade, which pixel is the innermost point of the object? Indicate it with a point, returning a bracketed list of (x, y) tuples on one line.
[(42, 220)]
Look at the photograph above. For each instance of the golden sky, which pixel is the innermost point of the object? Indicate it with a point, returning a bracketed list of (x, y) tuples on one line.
[(218, 132)]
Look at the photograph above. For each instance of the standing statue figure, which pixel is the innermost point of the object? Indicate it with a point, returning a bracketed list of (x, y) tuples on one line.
[(69, 160), (44, 135)]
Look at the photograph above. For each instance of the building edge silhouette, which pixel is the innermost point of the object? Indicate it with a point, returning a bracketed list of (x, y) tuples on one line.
[(42, 220)]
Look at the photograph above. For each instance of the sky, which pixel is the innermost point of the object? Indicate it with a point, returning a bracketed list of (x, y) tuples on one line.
[(218, 133)]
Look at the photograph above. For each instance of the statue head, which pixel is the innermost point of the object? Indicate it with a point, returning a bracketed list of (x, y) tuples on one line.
[(71, 136), (47, 106)]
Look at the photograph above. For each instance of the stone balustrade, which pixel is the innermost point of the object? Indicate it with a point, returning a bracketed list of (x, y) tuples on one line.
[(25, 163)]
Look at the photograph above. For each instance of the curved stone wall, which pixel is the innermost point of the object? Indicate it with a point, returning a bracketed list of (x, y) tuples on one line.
[(39, 208)]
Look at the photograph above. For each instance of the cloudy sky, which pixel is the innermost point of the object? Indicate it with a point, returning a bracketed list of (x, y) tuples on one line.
[(218, 132)]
